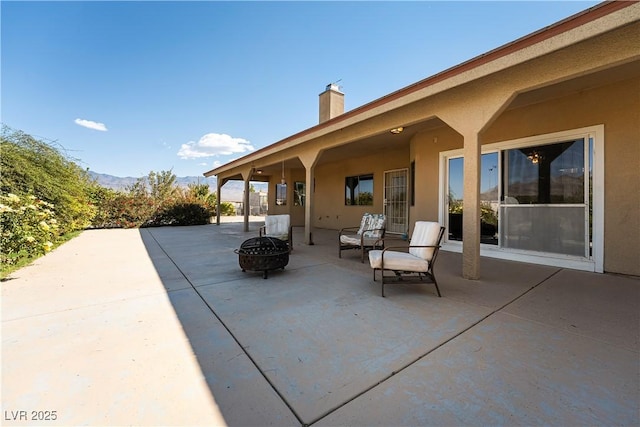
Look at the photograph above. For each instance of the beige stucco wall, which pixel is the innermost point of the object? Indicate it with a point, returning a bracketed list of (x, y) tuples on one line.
[(296, 212), (425, 151), (330, 210)]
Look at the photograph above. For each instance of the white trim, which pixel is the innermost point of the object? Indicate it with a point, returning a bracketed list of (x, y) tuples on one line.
[(596, 262), (597, 221), (554, 260)]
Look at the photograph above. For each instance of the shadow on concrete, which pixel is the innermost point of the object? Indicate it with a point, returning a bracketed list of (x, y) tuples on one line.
[(316, 344)]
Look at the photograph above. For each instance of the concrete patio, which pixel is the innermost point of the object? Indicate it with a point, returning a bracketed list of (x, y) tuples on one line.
[(160, 327)]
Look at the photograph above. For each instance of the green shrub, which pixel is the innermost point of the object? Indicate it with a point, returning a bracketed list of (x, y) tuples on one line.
[(31, 166), (227, 209), (153, 201), (28, 228), (181, 213)]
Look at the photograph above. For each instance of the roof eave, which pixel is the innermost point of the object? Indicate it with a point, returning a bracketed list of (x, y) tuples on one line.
[(565, 25)]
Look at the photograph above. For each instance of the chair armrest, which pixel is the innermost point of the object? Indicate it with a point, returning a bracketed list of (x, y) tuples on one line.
[(395, 248), (406, 248), (348, 229)]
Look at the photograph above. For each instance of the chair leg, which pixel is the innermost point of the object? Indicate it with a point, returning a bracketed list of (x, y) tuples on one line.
[(382, 280), (433, 277)]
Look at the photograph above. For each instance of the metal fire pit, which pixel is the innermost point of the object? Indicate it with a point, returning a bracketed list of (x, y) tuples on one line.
[(263, 254)]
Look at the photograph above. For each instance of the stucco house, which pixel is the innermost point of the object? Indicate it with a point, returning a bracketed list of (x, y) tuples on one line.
[(529, 152)]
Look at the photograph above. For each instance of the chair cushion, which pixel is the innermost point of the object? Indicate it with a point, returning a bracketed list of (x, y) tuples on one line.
[(425, 233), (277, 236), (401, 261), (354, 240), (375, 224), (372, 224), (277, 226)]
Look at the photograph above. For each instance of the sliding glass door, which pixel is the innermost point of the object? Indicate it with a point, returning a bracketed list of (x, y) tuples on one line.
[(544, 202), (537, 197)]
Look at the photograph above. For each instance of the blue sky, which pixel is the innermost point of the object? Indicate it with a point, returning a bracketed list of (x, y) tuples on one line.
[(130, 87)]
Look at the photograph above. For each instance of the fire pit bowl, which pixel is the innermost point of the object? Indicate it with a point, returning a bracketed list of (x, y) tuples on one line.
[(263, 254)]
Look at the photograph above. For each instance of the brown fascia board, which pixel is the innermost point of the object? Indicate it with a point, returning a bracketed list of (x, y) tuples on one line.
[(567, 24)]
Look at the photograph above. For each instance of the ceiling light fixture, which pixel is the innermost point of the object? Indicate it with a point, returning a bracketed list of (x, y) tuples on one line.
[(397, 130)]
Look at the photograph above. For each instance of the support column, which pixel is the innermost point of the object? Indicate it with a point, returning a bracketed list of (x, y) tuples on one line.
[(219, 184), (470, 118), (471, 207), (246, 204), (309, 160), (247, 174)]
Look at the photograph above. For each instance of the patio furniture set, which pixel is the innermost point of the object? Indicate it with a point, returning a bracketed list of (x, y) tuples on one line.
[(270, 251)]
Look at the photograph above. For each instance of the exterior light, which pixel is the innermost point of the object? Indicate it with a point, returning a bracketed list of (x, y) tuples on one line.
[(397, 130), (535, 157)]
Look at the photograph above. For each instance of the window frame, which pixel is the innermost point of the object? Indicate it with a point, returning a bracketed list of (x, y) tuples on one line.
[(359, 178), (594, 144)]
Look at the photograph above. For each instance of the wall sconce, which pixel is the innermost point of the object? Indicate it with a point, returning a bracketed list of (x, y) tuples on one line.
[(397, 130), (283, 181)]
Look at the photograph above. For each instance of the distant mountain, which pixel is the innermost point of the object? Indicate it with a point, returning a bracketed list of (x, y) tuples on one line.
[(113, 182), (231, 192)]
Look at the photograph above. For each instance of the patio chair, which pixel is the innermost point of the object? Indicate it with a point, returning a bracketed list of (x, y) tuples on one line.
[(418, 262), (368, 236), (279, 227)]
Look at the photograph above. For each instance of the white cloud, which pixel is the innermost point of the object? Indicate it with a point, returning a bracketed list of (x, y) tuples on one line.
[(214, 144), (91, 124)]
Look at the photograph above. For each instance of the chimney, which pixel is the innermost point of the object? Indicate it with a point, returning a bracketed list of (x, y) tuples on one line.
[(331, 102)]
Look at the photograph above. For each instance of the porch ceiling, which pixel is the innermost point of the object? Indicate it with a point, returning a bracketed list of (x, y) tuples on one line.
[(380, 142)]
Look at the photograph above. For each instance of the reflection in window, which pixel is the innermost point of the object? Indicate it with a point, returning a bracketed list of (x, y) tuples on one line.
[(546, 174), (359, 190), (488, 198), (299, 193), (281, 194)]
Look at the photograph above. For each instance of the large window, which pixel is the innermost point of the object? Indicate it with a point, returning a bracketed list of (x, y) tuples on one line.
[(359, 190), (540, 197), (488, 198)]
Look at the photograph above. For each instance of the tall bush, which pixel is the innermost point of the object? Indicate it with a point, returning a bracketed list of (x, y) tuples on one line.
[(33, 167), (155, 200)]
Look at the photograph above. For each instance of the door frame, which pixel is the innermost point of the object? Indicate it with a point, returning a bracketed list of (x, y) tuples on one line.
[(405, 223)]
